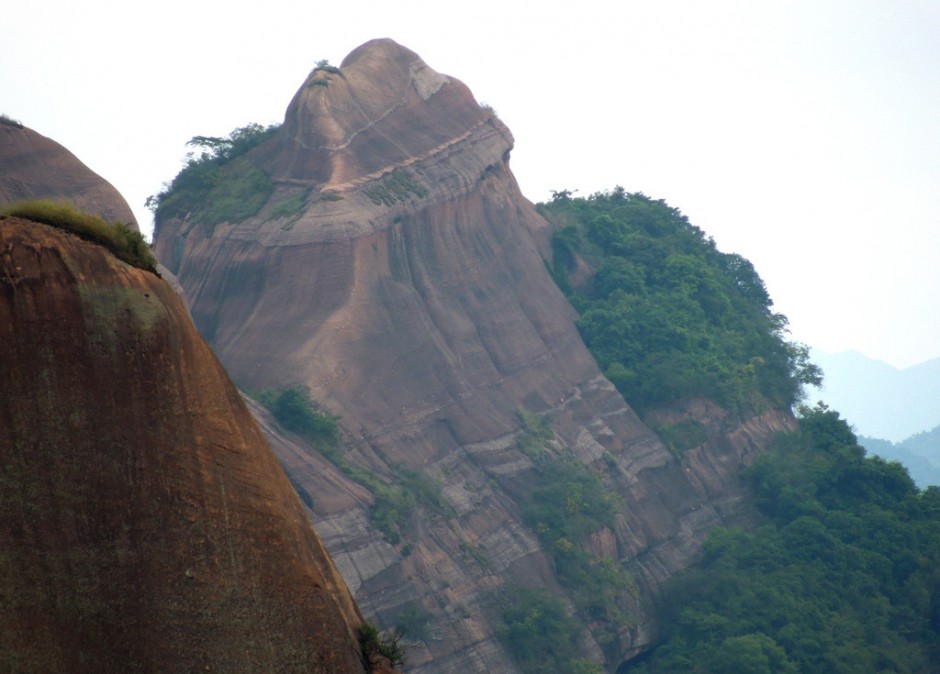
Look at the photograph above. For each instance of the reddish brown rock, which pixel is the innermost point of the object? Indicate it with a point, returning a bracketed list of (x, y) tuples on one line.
[(410, 294), (383, 107), (35, 167), (412, 299), (145, 525)]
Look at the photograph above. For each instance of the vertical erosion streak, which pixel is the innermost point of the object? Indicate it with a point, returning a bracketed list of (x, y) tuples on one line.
[(228, 528)]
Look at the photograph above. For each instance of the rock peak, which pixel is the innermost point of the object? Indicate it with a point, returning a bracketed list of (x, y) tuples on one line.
[(396, 273), (381, 48), (382, 106)]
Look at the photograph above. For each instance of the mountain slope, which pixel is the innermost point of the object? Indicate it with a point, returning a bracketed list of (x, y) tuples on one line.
[(390, 264), (145, 524), (840, 577)]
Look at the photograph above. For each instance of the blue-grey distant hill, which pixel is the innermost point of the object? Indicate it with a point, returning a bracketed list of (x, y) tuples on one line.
[(879, 400), (920, 454), (895, 412)]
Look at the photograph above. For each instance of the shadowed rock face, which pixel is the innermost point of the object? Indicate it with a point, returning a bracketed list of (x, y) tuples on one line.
[(145, 525), (410, 294), (35, 167)]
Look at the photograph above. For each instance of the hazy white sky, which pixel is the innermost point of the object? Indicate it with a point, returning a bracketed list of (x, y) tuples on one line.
[(804, 135)]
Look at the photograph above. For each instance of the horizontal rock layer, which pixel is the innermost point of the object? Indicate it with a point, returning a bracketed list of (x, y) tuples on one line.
[(410, 295)]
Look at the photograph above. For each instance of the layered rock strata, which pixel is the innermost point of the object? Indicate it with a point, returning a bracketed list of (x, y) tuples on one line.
[(407, 290)]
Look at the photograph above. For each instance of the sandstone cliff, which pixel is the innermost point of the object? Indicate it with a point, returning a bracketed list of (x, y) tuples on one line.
[(35, 167), (396, 271), (145, 525)]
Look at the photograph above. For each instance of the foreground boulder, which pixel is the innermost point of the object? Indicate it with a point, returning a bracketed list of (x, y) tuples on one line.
[(145, 524), (33, 166)]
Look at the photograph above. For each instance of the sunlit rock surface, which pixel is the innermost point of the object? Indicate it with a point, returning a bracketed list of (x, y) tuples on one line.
[(145, 524)]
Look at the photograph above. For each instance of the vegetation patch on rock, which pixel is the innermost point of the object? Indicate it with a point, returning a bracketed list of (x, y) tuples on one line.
[(542, 637), (568, 504), (395, 187), (127, 244), (217, 185), (393, 504)]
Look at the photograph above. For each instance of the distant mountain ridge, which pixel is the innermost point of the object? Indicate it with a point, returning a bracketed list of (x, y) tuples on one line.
[(920, 454), (879, 400)]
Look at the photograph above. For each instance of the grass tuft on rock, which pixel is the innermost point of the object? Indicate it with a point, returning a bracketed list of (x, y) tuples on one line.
[(117, 237)]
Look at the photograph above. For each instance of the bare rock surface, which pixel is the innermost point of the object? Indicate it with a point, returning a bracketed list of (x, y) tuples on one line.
[(410, 295), (145, 524), (33, 166)]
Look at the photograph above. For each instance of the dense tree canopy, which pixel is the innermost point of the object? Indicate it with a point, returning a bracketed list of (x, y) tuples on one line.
[(665, 313), (842, 576)]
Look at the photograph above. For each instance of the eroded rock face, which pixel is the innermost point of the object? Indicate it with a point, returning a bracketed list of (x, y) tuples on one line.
[(410, 294), (145, 525), (35, 167), (383, 107)]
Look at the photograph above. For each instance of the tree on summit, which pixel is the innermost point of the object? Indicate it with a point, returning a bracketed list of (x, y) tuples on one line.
[(213, 184)]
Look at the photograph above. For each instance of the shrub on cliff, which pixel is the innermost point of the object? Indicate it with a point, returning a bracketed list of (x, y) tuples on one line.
[(387, 645), (296, 412), (217, 185), (117, 237), (9, 121)]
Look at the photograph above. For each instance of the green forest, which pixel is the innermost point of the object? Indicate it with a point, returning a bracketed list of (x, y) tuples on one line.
[(665, 313), (841, 577)]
